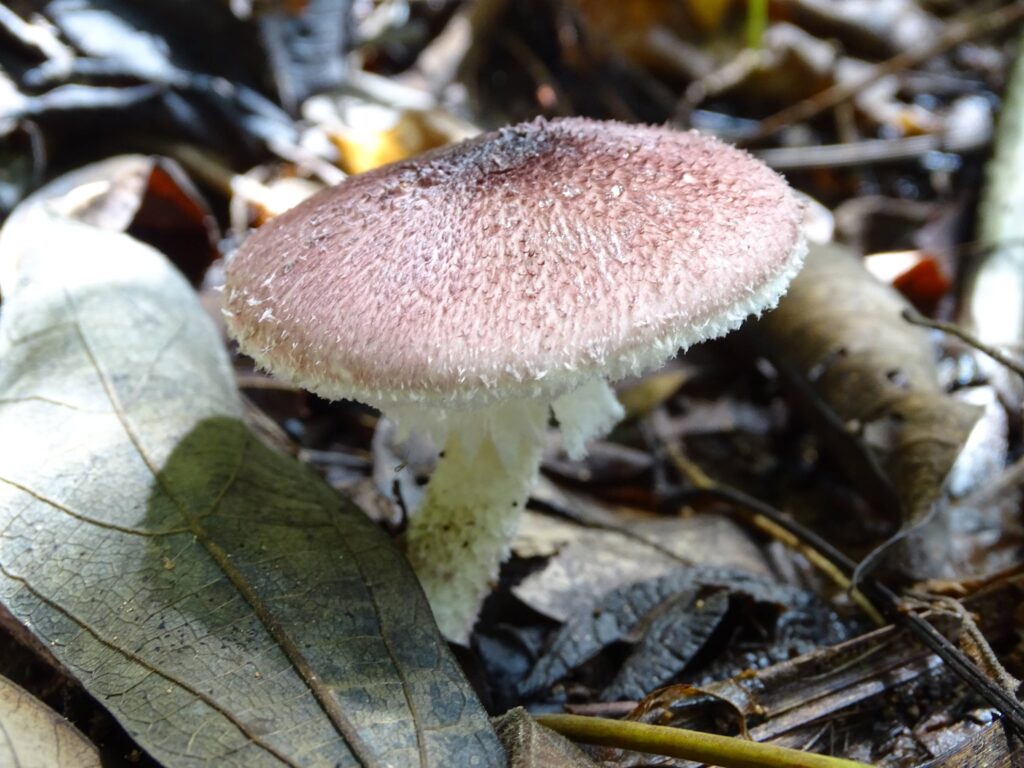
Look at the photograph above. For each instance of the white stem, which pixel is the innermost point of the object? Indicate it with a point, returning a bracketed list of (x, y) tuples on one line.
[(461, 534), (585, 413)]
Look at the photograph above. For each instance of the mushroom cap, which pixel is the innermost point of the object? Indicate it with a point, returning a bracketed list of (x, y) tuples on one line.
[(518, 264)]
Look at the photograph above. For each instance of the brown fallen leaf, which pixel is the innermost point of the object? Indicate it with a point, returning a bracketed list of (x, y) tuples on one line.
[(152, 199), (641, 396), (34, 736), (989, 744), (868, 384), (662, 615), (369, 134), (605, 549), (531, 745)]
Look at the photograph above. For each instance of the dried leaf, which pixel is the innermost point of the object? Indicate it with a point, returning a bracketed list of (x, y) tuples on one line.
[(916, 274), (34, 736), (627, 611), (368, 134), (868, 382), (858, 681), (787, 703), (152, 199), (200, 68), (306, 44), (216, 596), (993, 746), (587, 561), (531, 745), (669, 644)]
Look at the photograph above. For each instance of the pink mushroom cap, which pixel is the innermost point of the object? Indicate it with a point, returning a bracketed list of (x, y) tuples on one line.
[(521, 263)]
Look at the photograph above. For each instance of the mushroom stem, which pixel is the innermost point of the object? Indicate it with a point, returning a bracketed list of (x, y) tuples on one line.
[(586, 413), (460, 536)]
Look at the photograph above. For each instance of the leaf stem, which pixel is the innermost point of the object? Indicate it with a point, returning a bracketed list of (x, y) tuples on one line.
[(764, 518), (724, 751), (756, 22)]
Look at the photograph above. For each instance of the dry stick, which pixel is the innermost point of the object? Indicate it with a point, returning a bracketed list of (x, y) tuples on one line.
[(879, 595), (953, 329), (996, 696), (886, 599), (724, 751), (955, 34), (769, 520), (868, 151)]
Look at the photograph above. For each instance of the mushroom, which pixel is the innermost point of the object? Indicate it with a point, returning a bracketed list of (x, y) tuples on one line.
[(471, 292)]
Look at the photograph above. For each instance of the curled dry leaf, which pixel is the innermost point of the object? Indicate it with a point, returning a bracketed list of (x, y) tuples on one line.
[(224, 603), (305, 45), (643, 395), (153, 200), (34, 736), (868, 383)]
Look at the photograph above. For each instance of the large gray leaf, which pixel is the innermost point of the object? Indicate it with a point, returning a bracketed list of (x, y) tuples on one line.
[(224, 604)]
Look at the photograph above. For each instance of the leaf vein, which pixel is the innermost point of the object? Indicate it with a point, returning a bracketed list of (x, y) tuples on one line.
[(421, 743), (321, 693), (148, 666), (86, 518)]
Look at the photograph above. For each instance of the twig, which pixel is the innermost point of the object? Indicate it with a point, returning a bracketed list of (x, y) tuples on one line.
[(953, 329), (862, 152), (1009, 707), (956, 33), (724, 751), (765, 517), (881, 596)]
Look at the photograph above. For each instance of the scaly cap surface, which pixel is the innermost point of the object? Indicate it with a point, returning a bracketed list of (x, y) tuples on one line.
[(521, 263)]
